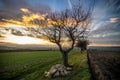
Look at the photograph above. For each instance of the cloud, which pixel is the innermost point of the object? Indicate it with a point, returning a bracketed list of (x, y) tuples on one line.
[(70, 4), (105, 34), (23, 40), (28, 19), (104, 44), (114, 20), (10, 9), (20, 31), (105, 29), (105, 41), (25, 10), (106, 13)]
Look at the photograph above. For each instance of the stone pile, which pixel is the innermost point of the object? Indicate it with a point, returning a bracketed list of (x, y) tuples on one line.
[(58, 70)]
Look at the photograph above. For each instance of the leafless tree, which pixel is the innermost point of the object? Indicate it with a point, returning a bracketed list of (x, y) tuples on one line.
[(66, 27)]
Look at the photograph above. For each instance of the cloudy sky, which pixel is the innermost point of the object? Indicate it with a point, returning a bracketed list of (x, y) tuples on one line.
[(105, 26)]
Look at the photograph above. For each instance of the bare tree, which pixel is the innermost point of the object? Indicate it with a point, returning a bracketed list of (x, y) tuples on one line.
[(66, 27)]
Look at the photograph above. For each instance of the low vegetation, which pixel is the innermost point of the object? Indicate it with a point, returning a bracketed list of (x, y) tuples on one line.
[(31, 65)]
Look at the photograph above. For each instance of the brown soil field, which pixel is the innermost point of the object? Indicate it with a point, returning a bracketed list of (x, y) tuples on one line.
[(108, 62)]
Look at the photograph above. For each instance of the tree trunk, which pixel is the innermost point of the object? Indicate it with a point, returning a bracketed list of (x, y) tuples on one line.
[(65, 59), (80, 50)]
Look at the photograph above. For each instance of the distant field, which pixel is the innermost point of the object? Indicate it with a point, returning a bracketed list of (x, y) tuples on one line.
[(105, 48), (32, 65)]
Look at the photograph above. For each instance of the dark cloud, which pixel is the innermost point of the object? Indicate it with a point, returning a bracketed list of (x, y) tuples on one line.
[(10, 9), (105, 41), (13, 4)]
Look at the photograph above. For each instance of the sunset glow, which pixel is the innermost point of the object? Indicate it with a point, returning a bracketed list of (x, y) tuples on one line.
[(24, 40), (11, 24), (17, 21), (26, 19)]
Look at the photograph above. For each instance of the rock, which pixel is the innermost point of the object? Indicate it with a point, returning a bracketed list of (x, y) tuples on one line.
[(69, 69), (50, 73), (58, 70)]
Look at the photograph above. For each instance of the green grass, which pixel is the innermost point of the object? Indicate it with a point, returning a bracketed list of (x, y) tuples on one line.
[(32, 65)]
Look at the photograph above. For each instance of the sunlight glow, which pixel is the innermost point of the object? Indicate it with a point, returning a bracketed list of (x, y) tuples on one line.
[(102, 44), (24, 40)]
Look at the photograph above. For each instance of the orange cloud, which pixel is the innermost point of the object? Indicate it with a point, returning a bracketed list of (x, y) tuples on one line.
[(12, 21), (31, 17), (25, 10), (35, 19), (26, 19), (114, 20), (100, 44)]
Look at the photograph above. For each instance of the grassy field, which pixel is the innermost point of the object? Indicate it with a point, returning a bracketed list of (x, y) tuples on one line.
[(31, 65)]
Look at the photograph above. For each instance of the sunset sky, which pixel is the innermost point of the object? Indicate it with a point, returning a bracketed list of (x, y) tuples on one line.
[(105, 26)]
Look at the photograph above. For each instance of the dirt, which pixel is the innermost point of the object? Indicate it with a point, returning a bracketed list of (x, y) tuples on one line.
[(108, 62)]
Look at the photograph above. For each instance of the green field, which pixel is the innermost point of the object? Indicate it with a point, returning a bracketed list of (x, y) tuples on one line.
[(31, 65)]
